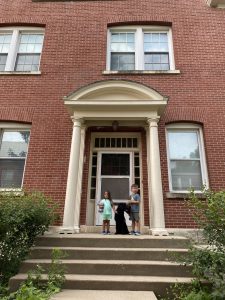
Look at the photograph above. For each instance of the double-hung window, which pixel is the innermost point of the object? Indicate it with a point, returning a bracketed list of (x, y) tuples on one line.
[(186, 158), (122, 50), (20, 49), (140, 48), (13, 153)]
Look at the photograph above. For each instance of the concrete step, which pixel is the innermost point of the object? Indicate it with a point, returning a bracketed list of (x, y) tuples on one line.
[(110, 253), (112, 241), (108, 282), (102, 295), (114, 267)]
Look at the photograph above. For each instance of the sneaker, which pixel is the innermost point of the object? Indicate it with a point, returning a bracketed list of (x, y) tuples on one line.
[(108, 232), (103, 232), (132, 232), (137, 233)]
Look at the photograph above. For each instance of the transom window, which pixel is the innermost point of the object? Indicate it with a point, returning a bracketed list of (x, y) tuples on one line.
[(13, 153), (140, 48), (116, 142), (20, 49), (186, 158)]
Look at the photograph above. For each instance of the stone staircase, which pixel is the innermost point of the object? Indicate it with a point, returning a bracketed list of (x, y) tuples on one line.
[(95, 262)]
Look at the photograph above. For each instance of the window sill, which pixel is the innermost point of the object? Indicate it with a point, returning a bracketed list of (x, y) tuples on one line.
[(140, 72), (174, 195), (216, 3), (20, 73), (18, 191)]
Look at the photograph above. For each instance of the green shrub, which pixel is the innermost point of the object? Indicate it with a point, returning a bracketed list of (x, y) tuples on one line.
[(208, 262), (22, 218), (35, 288)]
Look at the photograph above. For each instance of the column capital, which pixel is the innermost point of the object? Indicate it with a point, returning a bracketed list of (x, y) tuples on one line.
[(153, 122), (77, 122)]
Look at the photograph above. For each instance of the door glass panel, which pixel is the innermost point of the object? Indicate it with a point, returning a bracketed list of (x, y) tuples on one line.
[(118, 187), (115, 164)]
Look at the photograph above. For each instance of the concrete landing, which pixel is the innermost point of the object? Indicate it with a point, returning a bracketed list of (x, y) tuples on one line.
[(102, 295)]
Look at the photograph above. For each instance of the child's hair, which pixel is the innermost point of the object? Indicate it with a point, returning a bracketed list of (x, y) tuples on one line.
[(109, 195), (134, 186)]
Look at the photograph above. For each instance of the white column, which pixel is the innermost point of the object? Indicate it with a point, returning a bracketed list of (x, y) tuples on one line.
[(155, 184), (72, 179), (79, 181)]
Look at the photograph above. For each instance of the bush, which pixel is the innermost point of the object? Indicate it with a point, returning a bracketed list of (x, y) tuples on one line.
[(22, 218), (34, 288), (208, 262)]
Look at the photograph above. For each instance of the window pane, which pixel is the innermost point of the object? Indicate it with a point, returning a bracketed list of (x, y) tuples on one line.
[(183, 144), (156, 42), (30, 43), (3, 58), (186, 174), (14, 144), (115, 164), (122, 61), (5, 40), (122, 42), (119, 187), (27, 62), (11, 173), (156, 61)]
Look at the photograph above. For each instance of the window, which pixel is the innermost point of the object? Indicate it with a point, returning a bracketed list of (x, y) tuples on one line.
[(140, 48), (156, 51), (122, 51), (20, 49), (13, 153), (186, 159)]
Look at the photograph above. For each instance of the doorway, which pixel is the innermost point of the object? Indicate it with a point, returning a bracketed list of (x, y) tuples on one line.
[(115, 174)]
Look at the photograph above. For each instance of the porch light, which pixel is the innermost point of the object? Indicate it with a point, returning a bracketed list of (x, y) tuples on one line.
[(115, 125)]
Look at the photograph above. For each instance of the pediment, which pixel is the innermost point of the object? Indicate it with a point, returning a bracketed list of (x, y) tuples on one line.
[(115, 95)]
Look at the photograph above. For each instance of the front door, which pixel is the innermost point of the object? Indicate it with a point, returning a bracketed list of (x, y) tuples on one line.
[(114, 175)]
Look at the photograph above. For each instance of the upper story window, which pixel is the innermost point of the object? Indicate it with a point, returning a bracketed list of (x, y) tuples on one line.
[(140, 48), (186, 158), (13, 152), (20, 49)]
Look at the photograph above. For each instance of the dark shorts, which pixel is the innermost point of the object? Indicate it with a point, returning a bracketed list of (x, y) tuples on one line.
[(134, 216)]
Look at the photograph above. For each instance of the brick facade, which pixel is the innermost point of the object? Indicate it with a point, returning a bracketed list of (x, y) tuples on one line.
[(74, 55)]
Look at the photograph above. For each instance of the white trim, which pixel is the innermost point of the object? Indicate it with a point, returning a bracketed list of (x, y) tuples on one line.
[(203, 165), (139, 46)]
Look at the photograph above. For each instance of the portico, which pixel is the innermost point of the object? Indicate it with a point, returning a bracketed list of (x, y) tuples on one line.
[(100, 104)]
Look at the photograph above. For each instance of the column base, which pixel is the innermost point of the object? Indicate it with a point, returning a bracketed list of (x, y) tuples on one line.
[(69, 230), (159, 232)]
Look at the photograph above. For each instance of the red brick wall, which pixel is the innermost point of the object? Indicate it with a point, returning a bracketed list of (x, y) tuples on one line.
[(74, 55)]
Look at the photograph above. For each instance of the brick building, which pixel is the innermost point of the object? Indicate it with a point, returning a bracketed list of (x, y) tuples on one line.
[(99, 94)]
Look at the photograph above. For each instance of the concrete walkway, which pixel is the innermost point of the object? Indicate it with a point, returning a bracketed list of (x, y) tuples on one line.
[(102, 295)]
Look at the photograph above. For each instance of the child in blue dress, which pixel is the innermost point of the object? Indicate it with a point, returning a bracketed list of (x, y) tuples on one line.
[(106, 206)]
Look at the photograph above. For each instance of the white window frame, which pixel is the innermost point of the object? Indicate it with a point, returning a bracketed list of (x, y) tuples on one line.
[(15, 127), (139, 44), (14, 45), (203, 165)]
